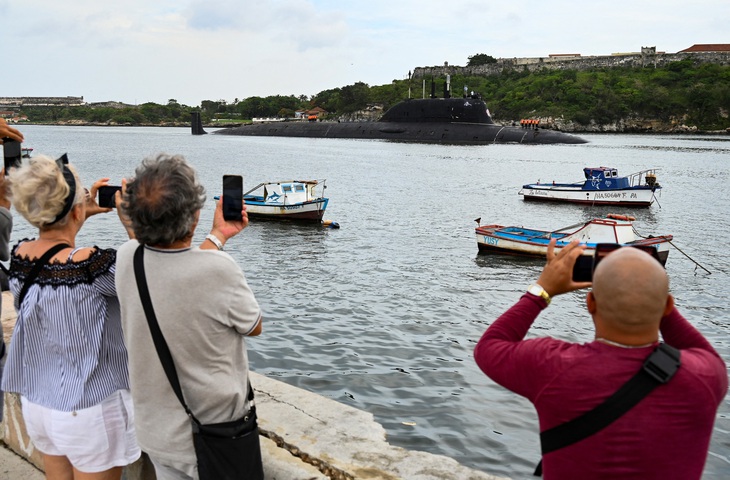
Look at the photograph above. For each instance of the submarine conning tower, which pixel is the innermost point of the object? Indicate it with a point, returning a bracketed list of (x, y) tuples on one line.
[(462, 110)]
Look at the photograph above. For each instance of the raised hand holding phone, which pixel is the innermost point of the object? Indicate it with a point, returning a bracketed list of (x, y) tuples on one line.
[(232, 197)]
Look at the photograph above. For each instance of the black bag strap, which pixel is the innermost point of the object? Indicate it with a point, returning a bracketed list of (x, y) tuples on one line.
[(37, 267), (658, 369), (163, 351)]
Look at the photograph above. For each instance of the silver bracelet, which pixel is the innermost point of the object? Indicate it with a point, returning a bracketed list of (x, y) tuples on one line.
[(215, 241)]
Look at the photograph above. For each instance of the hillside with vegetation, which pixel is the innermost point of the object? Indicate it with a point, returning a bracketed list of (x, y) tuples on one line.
[(684, 93)]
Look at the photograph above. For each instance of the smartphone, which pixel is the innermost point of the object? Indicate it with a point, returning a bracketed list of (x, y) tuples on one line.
[(232, 197), (107, 197), (13, 154), (585, 265), (583, 269)]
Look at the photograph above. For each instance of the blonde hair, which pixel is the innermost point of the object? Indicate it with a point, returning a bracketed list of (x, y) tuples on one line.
[(38, 191)]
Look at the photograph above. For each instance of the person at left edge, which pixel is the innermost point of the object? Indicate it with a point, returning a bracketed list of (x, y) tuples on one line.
[(6, 225), (67, 357)]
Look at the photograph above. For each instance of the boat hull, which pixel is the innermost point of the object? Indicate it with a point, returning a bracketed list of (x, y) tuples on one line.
[(312, 211), (631, 197), (518, 241)]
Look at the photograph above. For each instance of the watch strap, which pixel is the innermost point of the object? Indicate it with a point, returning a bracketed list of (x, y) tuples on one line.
[(215, 241), (538, 291)]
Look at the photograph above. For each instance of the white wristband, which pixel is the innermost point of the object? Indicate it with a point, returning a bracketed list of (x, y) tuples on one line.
[(214, 240)]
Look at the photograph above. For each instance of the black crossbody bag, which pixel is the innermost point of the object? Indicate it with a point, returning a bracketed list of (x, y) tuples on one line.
[(658, 369), (224, 451)]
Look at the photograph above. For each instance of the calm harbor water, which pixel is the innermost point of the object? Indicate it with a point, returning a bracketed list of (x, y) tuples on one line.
[(383, 313)]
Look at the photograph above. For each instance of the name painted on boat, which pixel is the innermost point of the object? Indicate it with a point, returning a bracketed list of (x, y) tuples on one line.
[(491, 240), (615, 195)]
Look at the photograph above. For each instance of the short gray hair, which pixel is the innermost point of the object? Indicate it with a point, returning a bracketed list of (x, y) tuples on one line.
[(163, 200), (38, 191)]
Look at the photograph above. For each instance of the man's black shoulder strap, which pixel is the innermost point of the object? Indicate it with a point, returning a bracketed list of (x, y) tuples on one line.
[(658, 369)]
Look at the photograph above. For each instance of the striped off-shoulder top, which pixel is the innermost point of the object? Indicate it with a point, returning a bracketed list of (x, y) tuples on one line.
[(67, 350)]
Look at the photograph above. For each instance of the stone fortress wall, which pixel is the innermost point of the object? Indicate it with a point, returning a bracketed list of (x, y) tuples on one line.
[(41, 101), (648, 57)]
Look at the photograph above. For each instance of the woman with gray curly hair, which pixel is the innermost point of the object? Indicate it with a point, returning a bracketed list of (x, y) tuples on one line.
[(203, 305), (67, 358)]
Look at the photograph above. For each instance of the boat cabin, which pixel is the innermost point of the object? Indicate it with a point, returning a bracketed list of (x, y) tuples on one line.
[(604, 178), (288, 193), (613, 229)]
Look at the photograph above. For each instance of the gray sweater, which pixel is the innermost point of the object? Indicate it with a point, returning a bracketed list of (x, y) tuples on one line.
[(204, 307)]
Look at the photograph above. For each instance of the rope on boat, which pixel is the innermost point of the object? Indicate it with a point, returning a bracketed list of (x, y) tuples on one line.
[(678, 249), (692, 259), (653, 195)]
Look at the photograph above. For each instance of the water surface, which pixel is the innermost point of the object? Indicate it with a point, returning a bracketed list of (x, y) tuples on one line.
[(383, 314)]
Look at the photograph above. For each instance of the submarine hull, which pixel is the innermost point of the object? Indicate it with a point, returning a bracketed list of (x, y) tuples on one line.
[(427, 132), (432, 120)]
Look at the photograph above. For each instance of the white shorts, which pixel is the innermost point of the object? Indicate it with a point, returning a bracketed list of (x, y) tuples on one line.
[(93, 439)]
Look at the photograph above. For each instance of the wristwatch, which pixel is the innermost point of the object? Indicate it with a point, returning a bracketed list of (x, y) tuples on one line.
[(538, 291), (215, 241)]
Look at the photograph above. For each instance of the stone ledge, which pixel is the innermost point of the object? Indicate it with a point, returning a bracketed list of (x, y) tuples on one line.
[(304, 437)]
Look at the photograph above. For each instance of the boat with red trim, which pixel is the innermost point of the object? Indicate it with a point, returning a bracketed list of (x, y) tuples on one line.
[(518, 240)]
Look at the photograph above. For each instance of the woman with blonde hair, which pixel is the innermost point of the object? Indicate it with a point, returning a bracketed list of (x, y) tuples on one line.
[(67, 357)]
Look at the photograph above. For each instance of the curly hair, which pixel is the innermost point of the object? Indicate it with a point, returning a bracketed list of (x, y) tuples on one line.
[(38, 191), (163, 199)]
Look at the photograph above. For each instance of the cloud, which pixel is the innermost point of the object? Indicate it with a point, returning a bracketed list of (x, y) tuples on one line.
[(296, 21), (152, 50)]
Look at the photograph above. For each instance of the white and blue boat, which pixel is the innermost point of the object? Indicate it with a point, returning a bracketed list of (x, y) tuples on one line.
[(300, 200), (602, 186), (513, 240)]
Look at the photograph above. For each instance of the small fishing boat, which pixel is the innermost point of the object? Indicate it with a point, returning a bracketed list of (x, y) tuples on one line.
[(530, 242), (25, 152), (602, 186), (301, 200)]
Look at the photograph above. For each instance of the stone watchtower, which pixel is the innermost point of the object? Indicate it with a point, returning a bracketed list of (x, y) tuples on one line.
[(648, 55)]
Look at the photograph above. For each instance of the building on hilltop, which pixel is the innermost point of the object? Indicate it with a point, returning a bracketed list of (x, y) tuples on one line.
[(17, 102), (707, 47), (648, 56), (564, 55)]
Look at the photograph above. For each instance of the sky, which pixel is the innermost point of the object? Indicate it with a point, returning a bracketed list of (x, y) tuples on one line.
[(137, 51)]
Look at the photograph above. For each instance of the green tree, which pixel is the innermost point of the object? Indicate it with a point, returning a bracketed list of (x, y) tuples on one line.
[(480, 59)]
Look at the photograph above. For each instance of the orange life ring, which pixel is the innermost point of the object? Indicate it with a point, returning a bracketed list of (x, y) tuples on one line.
[(615, 216)]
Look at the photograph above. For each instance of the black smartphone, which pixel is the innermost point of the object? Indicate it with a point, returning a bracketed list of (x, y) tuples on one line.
[(583, 269), (585, 265), (107, 196), (232, 197), (12, 152)]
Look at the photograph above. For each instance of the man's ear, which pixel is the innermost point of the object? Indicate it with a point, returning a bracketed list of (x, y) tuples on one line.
[(591, 302), (669, 306)]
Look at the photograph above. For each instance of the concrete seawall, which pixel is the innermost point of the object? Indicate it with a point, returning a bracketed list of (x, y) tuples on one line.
[(304, 436)]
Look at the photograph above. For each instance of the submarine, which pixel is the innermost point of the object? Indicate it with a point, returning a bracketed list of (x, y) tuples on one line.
[(428, 120)]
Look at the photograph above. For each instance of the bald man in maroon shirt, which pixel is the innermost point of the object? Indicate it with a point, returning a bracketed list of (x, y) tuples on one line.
[(667, 434)]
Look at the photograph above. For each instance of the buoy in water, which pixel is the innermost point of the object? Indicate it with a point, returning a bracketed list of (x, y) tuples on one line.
[(615, 216), (330, 224)]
